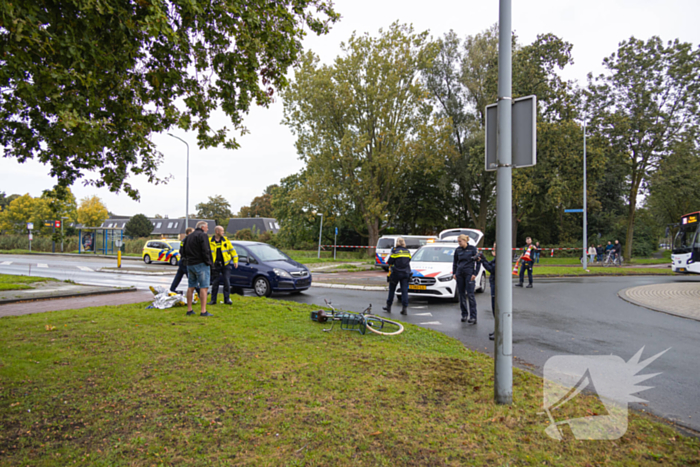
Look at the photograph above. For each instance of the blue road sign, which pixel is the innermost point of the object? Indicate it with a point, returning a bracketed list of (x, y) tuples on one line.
[(573, 210), (336, 230)]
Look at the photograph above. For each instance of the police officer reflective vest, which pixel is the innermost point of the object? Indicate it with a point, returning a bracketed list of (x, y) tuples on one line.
[(228, 252)]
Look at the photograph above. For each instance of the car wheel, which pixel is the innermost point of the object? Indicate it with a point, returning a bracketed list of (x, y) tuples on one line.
[(455, 297), (262, 287), (147, 259), (173, 261), (482, 284)]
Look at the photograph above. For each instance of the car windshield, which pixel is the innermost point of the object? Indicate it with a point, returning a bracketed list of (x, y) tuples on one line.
[(174, 245), (456, 233), (434, 255), (267, 253)]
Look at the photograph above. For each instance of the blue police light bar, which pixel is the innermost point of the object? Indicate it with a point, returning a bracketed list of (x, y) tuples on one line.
[(573, 210)]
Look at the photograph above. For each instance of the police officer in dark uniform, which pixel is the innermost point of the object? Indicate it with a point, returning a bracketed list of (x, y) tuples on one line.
[(400, 273), (490, 266), (465, 267)]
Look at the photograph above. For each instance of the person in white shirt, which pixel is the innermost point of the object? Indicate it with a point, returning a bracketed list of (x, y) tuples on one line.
[(592, 253)]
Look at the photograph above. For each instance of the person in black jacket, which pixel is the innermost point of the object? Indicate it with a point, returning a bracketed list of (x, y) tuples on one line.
[(465, 268), (199, 262), (182, 264), (490, 266), (400, 263)]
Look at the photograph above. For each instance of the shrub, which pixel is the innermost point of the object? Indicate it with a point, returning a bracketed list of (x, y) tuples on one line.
[(138, 226), (244, 234)]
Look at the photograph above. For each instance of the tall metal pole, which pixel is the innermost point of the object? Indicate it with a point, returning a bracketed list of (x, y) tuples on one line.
[(320, 230), (585, 195), (503, 378), (187, 191)]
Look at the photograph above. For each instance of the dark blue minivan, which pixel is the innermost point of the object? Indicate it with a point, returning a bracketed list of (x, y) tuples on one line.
[(265, 269)]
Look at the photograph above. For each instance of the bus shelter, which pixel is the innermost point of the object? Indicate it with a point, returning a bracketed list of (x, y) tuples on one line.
[(100, 240)]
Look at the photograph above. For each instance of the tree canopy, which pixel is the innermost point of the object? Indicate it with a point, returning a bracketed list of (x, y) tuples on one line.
[(216, 208), (92, 212), (84, 84), (138, 227)]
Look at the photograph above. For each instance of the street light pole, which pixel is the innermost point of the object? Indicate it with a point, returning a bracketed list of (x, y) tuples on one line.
[(503, 374), (187, 193), (320, 230), (585, 213)]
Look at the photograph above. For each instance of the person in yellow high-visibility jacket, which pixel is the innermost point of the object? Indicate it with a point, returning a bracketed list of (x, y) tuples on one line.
[(223, 255)]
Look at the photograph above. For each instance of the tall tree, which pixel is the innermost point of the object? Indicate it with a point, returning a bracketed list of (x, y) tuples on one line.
[(85, 83), (216, 208), (91, 211), (138, 226), (362, 123), (20, 211), (644, 105), (261, 206)]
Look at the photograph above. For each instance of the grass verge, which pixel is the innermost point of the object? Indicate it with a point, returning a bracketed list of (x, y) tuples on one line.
[(611, 271), (10, 282), (260, 384)]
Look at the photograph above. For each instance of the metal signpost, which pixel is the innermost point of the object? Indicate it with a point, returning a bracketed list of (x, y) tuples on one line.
[(30, 226), (511, 142), (187, 190), (335, 242), (585, 219)]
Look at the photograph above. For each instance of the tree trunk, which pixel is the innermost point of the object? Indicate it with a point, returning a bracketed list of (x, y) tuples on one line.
[(630, 229), (373, 231)]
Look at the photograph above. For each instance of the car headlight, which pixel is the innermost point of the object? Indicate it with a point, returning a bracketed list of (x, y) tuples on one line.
[(282, 273), (446, 278)]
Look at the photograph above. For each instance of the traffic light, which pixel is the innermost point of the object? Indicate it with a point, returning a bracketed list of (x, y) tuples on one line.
[(57, 224)]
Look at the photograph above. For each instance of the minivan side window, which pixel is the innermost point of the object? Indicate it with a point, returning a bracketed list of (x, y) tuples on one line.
[(415, 243)]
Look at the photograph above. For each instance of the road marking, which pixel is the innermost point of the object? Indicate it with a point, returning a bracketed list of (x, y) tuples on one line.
[(6, 263), (422, 314), (42, 265), (419, 307), (432, 323), (85, 268)]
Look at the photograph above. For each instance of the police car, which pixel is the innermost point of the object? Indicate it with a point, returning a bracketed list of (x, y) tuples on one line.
[(166, 251), (431, 266)]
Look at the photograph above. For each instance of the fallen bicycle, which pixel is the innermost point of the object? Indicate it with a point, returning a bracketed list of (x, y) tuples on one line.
[(360, 322)]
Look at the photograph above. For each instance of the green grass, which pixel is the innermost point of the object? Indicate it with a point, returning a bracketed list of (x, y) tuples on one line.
[(623, 271), (311, 257), (260, 384), (10, 282)]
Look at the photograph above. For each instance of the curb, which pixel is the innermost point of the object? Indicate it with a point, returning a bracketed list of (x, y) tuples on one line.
[(75, 295), (348, 286), (623, 295), (112, 271), (86, 255)]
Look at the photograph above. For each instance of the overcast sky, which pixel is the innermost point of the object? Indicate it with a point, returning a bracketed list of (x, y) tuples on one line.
[(267, 154)]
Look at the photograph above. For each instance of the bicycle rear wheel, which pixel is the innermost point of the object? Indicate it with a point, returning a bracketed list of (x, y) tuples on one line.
[(383, 326)]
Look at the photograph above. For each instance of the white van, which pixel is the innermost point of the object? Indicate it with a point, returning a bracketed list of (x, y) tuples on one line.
[(387, 243)]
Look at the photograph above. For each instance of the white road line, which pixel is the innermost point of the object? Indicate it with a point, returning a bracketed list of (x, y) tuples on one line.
[(84, 268), (419, 307), (42, 265), (6, 263), (422, 314), (432, 323)]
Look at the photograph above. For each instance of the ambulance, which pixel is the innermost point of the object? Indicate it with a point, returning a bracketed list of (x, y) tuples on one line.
[(387, 243)]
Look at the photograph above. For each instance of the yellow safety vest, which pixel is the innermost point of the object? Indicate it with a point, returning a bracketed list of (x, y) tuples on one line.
[(227, 250)]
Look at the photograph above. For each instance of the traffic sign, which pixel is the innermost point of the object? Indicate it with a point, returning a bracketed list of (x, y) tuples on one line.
[(573, 210), (30, 225), (48, 223), (524, 131), (57, 224)]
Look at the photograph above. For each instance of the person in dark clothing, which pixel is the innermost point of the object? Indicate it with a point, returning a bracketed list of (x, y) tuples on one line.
[(617, 250), (182, 265), (490, 266), (465, 268), (599, 253), (526, 263), (199, 262), (400, 273)]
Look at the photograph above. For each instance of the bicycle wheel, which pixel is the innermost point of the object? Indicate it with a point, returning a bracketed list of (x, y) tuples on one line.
[(383, 326)]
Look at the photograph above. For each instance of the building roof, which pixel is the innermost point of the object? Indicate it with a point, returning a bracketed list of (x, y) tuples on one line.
[(161, 227), (258, 224)]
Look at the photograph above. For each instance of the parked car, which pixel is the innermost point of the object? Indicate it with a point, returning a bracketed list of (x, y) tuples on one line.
[(265, 269), (165, 251), (431, 267)]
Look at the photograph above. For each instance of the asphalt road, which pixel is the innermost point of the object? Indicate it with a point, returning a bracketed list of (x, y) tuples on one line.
[(572, 316)]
